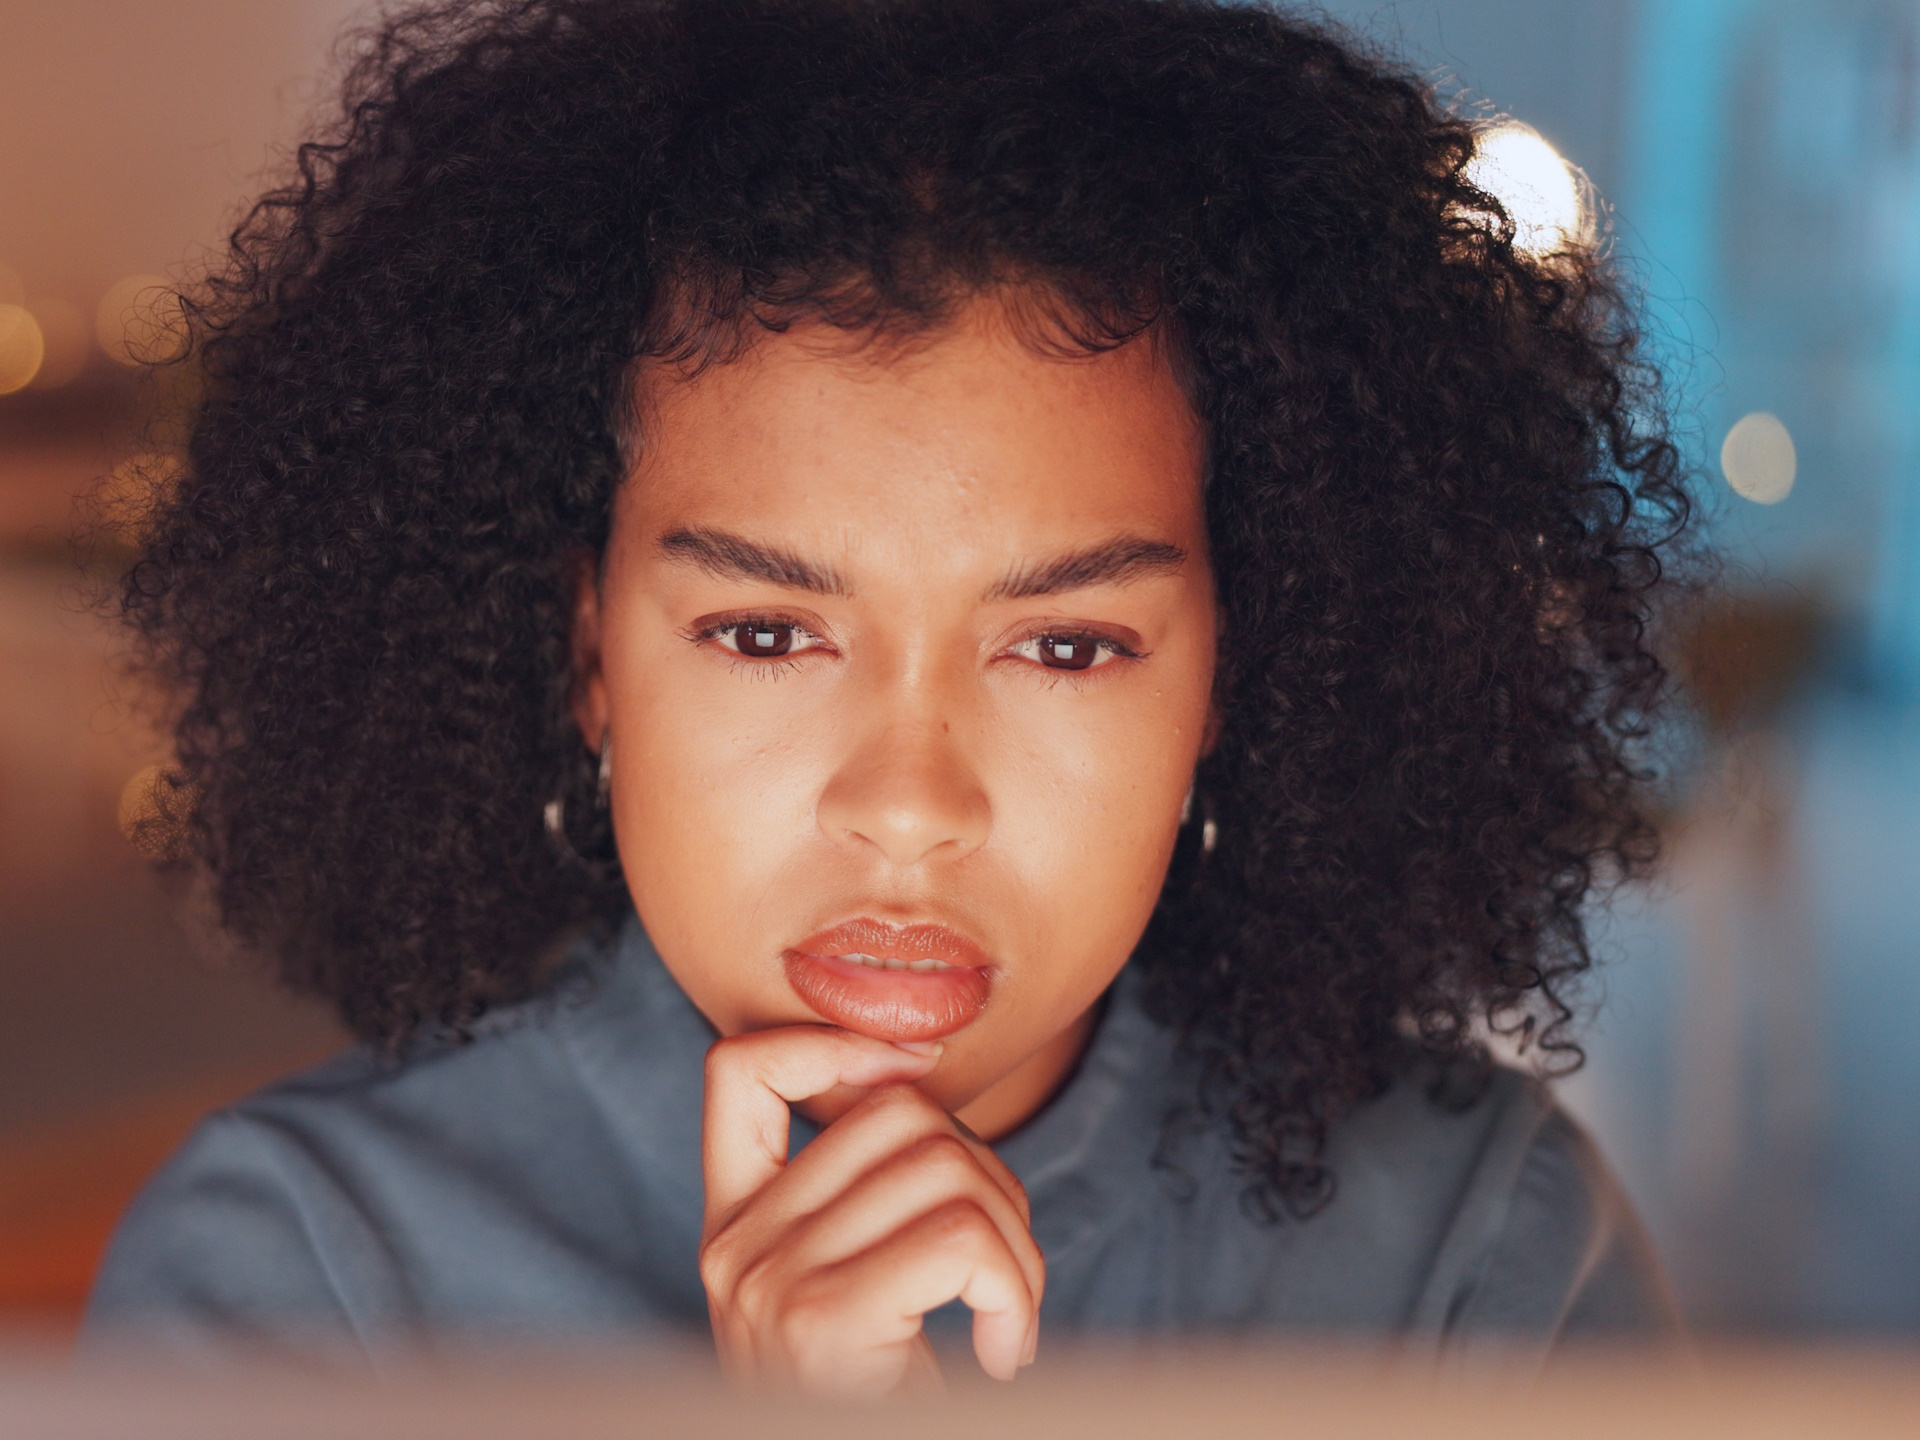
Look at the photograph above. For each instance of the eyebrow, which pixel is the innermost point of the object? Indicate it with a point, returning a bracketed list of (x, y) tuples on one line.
[(734, 557), (1114, 562)]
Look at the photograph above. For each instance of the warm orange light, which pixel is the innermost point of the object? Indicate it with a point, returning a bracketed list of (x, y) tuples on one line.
[(22, 348), (139, 321), (154, 811), (68, 338)]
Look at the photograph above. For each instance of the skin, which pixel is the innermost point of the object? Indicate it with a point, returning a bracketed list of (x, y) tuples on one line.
[(911, 759)]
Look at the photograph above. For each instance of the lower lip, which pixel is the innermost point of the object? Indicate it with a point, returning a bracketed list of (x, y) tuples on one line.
[(890, 1004)]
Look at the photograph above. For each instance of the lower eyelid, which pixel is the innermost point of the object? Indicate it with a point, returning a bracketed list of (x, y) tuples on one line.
[(1109, 651), (719, 635)]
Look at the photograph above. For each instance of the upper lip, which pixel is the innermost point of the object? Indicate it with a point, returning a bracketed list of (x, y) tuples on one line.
[(886, 940)]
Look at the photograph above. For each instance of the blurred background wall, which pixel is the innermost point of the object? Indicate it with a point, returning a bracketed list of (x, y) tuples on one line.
[(1754, 1068), (1755, 1055), (130, 133)]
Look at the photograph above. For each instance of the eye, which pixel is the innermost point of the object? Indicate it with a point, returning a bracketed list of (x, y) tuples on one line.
[(1070, 651), (764, 639)]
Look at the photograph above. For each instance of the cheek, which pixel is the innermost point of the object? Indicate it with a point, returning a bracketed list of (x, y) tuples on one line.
[(1089, 816), (714, 785)]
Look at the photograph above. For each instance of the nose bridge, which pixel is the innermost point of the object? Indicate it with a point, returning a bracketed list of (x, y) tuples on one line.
[(906, 784)]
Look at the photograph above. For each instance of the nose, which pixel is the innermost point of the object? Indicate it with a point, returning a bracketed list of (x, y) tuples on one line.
[(908, 790)]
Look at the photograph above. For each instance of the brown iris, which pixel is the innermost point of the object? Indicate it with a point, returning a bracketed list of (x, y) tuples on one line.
[(1068, 652), (763, 640)]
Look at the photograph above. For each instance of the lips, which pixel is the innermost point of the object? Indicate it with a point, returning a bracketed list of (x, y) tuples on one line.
[(893, 982)]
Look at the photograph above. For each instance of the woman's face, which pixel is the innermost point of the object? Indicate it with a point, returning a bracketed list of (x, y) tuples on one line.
[(905, 658)]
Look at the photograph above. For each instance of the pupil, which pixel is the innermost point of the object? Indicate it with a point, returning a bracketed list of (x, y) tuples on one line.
[(1067, 652), (765, 640)]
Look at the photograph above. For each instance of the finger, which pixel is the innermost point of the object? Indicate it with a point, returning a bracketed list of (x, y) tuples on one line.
[(935, 1171), (847, 1317), (887, 1121), (752, 1079), (923, 1375), (996, 1167)]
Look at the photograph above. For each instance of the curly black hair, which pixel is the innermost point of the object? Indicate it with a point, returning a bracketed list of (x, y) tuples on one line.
[(1442, 496)]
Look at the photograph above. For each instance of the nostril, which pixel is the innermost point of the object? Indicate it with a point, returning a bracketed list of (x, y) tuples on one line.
[(909, 795)]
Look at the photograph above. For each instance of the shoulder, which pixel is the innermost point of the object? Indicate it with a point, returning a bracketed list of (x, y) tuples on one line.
[(1562, 1254), (540, 1177), (223, 1236), (1458, 1219), (1532, 1240), (294, 1212)]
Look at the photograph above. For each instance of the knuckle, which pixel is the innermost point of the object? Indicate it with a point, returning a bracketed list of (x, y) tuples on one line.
[(722, 1056), (805, 1323), (959, 1223), (716, 1269), (720, 1260), (758, 1289), (798, 1324), (899, 1101), (947, 1154), (898, 1110), (1020, 1200)]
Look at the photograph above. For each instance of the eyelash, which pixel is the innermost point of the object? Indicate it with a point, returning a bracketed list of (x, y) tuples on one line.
[(1108, 649), (712, 634)]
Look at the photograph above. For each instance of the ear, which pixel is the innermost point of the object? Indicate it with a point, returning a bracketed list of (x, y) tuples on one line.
[(1216, 722), (588, 689), (1211, 736)]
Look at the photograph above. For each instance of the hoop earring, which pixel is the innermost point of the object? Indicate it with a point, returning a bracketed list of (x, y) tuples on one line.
[(553, 815), (1209, 830)]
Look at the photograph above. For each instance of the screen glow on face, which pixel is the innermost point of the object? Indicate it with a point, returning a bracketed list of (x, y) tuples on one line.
[(922, 639)]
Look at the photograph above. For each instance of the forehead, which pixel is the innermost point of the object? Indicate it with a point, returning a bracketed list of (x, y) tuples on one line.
[(970, 442)]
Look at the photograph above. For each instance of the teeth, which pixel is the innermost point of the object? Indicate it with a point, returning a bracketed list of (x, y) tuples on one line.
[(918, 967)]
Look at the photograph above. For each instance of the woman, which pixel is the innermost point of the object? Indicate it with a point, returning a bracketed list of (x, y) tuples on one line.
[(899, 653)]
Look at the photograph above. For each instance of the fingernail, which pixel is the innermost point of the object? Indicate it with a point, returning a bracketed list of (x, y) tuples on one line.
[(920, 1047), (1033, 1343)]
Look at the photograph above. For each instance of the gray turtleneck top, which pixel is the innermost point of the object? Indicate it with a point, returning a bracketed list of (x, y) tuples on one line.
[(542, 1181)]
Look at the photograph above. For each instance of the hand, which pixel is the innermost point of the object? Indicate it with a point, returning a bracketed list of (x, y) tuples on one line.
[(818, 1272)]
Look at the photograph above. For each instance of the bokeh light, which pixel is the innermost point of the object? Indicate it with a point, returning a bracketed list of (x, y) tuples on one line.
[(139, 321), (1513, 163), (68, 339), (1758, 458), (154, 813), (22, 348)]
